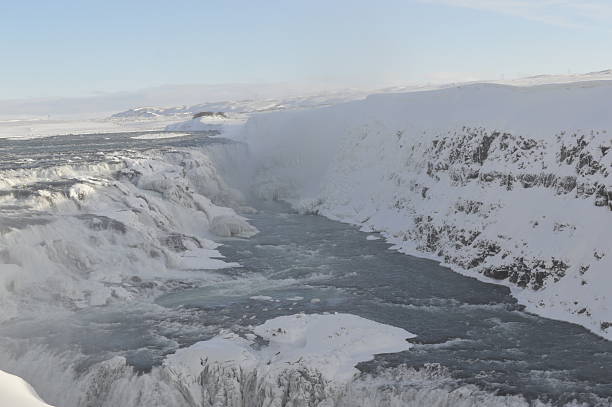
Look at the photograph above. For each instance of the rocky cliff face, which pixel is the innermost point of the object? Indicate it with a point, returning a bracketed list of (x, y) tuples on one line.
[(572, 166), (527, 212)]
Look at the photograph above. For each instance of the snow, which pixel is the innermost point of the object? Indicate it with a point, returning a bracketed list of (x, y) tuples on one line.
[(330, 344), (15, 392), (228, 124), (201, 258), (38, 127), (505, 184), (155, 136), (89, 115), (67, 116), (262, 298), (231, 225), (242, 106)]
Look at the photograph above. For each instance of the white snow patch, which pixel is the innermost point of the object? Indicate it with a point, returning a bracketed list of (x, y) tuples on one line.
[(32, 128), (155, 136), (16, 392), (231, 225), (227, 125), (262, 298), (330, 344)]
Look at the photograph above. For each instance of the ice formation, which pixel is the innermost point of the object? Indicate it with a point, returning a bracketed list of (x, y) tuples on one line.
[(80, 235)]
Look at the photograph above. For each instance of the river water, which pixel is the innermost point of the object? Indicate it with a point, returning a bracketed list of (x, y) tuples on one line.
[(475, 329), (304, 263)]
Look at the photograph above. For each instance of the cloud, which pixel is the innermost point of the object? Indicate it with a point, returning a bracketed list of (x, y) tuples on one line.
[(567, 13)]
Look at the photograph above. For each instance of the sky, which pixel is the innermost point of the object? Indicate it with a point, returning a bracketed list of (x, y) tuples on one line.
[(88, 47)]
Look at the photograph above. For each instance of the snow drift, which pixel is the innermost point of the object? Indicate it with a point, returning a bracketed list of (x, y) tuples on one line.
[(224, 123), (15, 392), (501, 183)]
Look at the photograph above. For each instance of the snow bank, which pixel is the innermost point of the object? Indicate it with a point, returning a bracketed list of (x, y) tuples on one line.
[(15, 392), (228, 124), (331, 344), (506, 184), (306, 350)]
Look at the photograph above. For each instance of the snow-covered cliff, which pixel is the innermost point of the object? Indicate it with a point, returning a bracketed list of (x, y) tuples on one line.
[(501, 183)]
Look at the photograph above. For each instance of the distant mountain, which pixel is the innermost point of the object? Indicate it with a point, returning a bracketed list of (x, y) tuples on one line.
[(167, 95), (241, 98), (326, 98)]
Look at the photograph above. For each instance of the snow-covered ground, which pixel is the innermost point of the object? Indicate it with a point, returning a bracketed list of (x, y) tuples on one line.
[(228, 124), (157, 136), (507, 184), (15, 392), (179, 118), (29, 128), (246, 106), (183, 114)]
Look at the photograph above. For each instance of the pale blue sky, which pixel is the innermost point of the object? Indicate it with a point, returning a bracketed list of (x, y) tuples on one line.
[(74, 48)]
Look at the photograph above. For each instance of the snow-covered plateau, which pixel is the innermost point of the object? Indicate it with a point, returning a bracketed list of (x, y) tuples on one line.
[(40, 127), (506, 184)]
